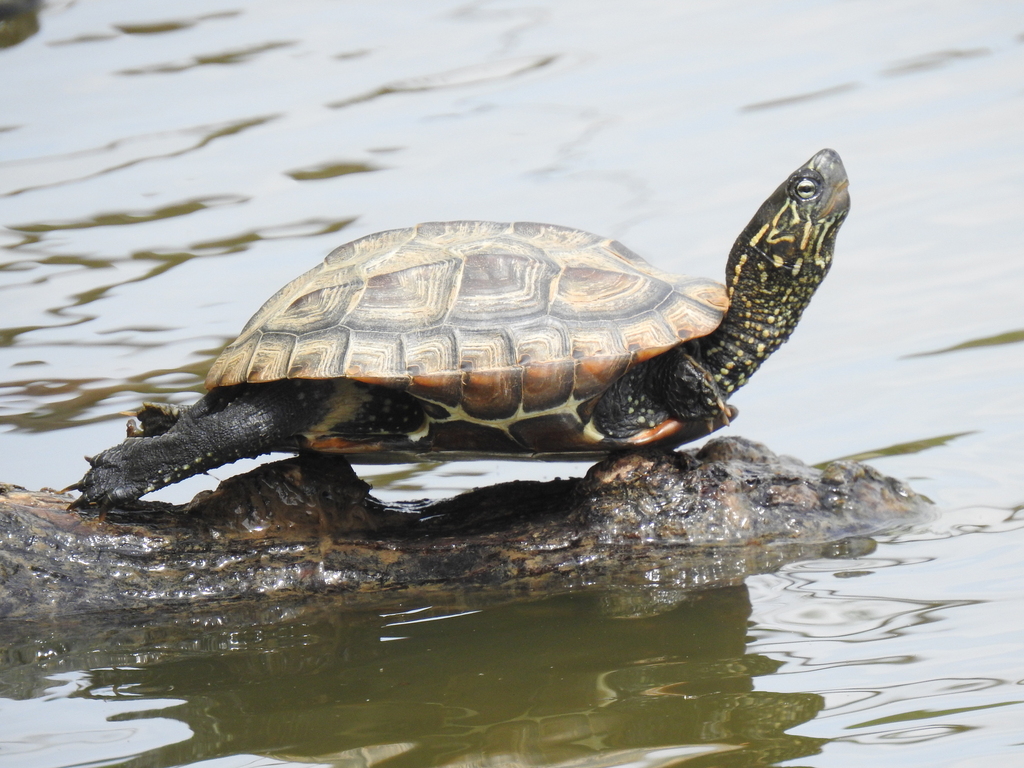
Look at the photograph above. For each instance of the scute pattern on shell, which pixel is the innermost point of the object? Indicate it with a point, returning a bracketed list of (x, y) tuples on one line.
[(484, 315)]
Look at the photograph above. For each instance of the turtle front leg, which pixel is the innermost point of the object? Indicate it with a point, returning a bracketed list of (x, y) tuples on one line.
[(673, 386), (690, 390), (227, 424)]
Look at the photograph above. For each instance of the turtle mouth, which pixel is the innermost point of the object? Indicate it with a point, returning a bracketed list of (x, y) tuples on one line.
[(839, 198), (828, 163)]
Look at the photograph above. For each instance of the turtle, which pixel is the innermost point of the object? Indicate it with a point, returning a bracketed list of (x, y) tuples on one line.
[(474, 339)]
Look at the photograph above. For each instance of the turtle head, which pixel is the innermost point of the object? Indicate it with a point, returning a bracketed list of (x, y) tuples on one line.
[(795, 228), (777, 263)]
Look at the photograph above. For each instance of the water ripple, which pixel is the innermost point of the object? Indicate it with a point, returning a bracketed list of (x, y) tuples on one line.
[(19, 176), (471, 75), (234, 56)]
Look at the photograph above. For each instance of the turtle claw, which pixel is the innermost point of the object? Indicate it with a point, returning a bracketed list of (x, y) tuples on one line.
[(724, 411), (81, 505), (110, 480), (78, 504)]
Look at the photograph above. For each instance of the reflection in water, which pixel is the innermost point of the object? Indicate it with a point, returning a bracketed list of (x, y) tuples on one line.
[(19, 20), (237, 56), (537, 683), (122, 218), (801, 97), (39, 405), (1010, 337), (472, 75), (35, 234), (929, 714), (933, 61), (918, 64), (901, 449), (155, 28), (240, 242), (20, 176), (329, 171), (43, 404), (172, 26)]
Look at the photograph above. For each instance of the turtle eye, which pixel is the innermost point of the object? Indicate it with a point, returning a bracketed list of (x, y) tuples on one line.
[(806, 189)]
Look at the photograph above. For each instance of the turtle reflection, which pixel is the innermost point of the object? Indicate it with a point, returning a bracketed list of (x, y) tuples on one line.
[(559, 681)]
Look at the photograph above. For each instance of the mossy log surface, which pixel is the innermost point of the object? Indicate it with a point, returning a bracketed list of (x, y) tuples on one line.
[(659, 520)]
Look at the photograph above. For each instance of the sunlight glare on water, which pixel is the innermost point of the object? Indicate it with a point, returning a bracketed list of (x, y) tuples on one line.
[(166, 167)]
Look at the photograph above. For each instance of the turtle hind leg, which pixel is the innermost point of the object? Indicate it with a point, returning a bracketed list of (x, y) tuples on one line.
[(229, 423)]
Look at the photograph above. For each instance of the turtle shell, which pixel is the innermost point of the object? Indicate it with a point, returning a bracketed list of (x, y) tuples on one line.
[(493, 322)]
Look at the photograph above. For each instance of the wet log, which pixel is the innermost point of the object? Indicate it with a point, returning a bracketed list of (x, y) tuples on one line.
[(660, 521)]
